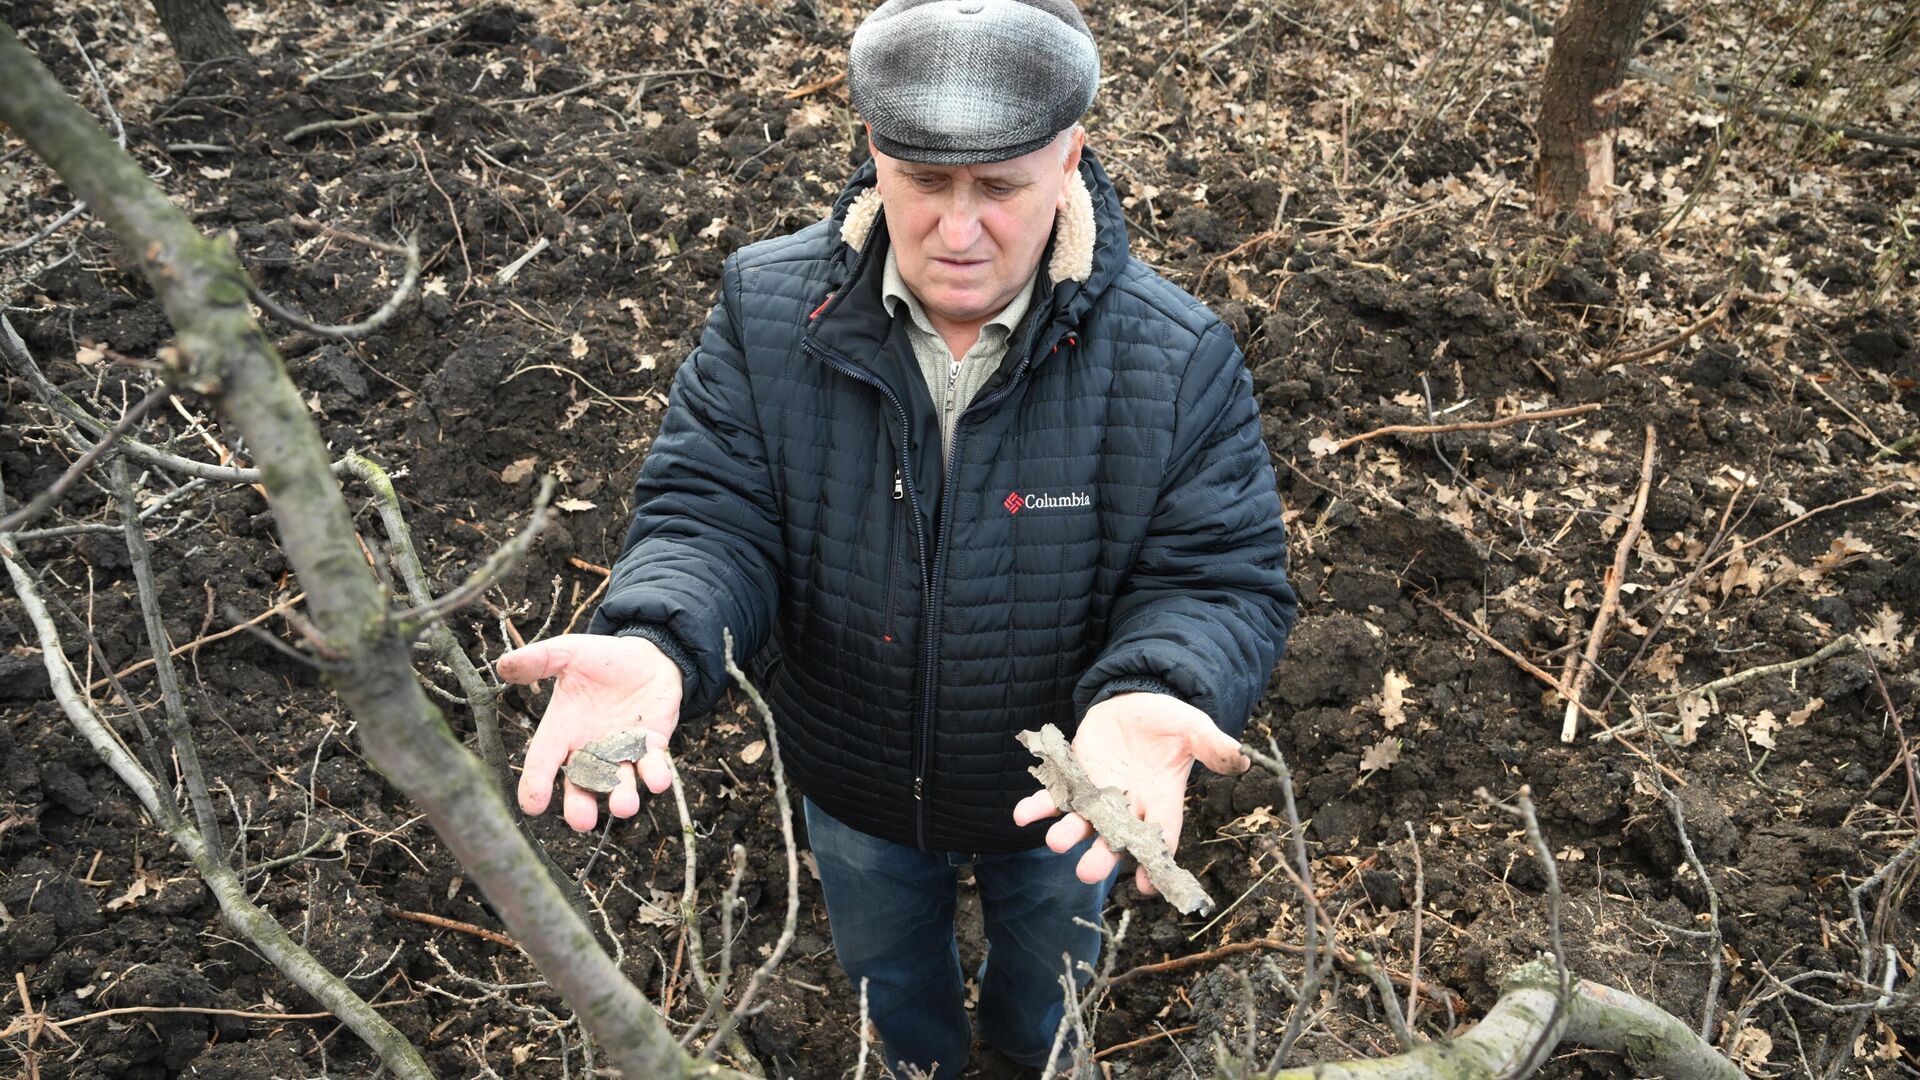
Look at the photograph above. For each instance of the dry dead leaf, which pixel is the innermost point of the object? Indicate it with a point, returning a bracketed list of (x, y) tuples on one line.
[(1759, 728), (1323, 445), (519, 470), (1391, 701), (578, 347), (574, 506), (1381, 755), (1799, 717), (1751, 1047), (1694, 710), (754, 751)]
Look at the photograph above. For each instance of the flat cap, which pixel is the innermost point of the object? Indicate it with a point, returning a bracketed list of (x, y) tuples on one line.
[(962, 82)]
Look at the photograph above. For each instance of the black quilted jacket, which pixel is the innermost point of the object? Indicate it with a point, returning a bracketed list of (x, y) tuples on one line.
[(1107, 522)]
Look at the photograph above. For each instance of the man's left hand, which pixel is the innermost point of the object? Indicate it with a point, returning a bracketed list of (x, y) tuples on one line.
[(1143, 744)]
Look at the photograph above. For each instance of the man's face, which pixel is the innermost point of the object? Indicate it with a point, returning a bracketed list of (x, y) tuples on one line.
[(967, 238)]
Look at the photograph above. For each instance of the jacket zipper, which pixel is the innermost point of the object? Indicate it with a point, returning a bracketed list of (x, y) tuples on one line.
[(934, 595), (854, 371), (893, 556)]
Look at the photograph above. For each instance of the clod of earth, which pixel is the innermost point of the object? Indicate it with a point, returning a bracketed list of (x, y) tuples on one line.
[(596, 766), (1107, 810)]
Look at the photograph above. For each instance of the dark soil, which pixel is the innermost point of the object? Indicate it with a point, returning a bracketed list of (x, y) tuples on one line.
[(1378, 268)]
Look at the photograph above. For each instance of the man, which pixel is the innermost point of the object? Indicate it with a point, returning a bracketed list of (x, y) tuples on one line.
[(963, 468)]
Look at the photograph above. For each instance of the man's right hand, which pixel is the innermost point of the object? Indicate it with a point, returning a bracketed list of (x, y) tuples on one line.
[(602, 685)]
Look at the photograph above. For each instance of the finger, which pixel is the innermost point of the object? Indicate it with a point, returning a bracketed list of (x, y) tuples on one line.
[(531, 663), (625, 800), (1217, 750), (1097, 863), (656, 772), (580, 808), (1144, 883), (1034, 807), (1067, 833), (545, 752)]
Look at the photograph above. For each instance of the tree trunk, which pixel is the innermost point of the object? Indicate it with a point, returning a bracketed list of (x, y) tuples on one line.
[(1578, 100), (199, 30)]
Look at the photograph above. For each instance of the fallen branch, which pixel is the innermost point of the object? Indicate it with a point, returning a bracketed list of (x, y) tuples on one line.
[(409, 250), (1580, 666), (1678, 339), (140, 1010), (1728, 682), (1326, 447), (362, 120), (1107, 810), (1654, 1041)]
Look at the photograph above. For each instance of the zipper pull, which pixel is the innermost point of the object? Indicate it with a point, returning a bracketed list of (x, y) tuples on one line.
[(919, 788), (899, 488)]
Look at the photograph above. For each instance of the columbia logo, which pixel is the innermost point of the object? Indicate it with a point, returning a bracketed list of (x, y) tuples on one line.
[(1017, 502)]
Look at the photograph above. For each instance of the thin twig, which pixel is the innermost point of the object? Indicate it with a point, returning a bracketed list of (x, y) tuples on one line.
[(386, 41), (1745, 545), (1389, 1000), (1315, 964), (1580, 666), (351, 331), (482, 579), (444, 923), (1678, 339), (46, 500), (362, 120), (1419, 910), (1839, 644), (1712, 1004), (1522, 808), (281, 608), (173, 709), (785, 807), (1464, 425), (1548, 680)]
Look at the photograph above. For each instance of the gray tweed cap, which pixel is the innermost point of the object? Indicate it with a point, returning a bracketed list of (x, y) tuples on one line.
[(962, 82)]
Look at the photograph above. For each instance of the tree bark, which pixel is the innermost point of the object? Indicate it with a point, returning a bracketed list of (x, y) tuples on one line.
[(222, 352), (1592, 45), (199, 30)]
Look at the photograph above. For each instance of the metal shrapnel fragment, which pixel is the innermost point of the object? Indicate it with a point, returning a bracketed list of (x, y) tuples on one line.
[(596, 766)]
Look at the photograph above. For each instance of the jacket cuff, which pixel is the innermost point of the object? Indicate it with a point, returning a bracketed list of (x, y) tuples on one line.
[(664, 641), (1133, 684)]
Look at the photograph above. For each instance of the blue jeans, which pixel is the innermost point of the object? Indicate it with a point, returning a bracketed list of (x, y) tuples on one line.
[(891, 909)]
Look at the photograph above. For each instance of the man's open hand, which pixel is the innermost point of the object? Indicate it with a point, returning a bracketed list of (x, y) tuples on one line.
[(602, 685), (1143, 744)]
